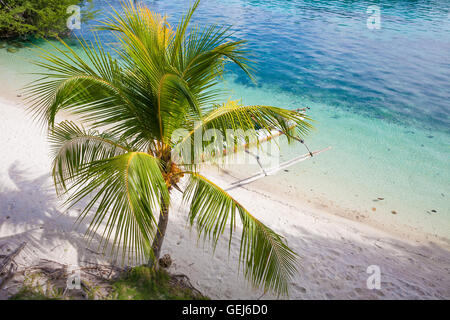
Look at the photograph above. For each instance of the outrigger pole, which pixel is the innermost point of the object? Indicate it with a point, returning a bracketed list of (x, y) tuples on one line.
[(279, 133), (257, 160), (272, 171)]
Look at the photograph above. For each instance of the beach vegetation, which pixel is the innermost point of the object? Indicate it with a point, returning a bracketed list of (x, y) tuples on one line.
[(28, 19), (145, 283), (138, 283)]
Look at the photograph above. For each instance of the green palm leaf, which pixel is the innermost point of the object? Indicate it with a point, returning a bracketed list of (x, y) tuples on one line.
[(74, 147), (265, 257), (124, 188), (98, 90), (246, 123)]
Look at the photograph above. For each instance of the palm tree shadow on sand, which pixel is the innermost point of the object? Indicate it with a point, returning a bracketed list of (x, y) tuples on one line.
[(30, 212)]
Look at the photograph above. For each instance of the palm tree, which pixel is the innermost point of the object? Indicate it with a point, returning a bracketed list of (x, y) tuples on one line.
[(120, 165)]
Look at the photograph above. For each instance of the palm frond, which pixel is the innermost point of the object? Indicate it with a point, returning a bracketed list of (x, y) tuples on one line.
[(206, 51), (245, 122), (234, 115), (145, 38), (264, 255), (96, 89), (73, 147), (125, 189), (175, 101), (180, 33)]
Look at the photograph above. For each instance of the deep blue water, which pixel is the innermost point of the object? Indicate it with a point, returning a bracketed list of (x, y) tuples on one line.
[(322, 51)]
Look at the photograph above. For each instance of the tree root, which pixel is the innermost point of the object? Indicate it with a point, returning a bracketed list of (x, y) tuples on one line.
[(50, 278), (183, 281)]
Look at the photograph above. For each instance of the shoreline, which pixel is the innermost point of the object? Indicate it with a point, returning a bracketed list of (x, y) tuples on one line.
[(334, 252), (298, 200)]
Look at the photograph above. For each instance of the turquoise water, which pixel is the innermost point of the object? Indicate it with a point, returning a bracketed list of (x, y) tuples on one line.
[(380, 97)]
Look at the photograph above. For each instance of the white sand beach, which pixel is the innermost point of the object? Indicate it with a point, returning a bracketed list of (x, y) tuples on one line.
[(334, 251)]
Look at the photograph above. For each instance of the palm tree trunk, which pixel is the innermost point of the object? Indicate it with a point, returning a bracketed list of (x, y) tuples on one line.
[(160, 233)]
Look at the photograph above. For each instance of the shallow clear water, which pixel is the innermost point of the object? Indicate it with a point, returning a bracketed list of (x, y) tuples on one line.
[(380, 97)]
